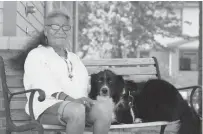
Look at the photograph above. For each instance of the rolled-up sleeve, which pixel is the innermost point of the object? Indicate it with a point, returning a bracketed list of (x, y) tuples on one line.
[(37, 75)]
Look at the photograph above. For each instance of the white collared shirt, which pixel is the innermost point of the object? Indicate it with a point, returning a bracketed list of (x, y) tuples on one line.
[(46, 70)]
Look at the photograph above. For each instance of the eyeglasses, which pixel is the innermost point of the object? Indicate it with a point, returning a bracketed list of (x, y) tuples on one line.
[(56, 27)]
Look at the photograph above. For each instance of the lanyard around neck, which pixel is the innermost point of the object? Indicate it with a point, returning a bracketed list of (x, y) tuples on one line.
[(69, 65)]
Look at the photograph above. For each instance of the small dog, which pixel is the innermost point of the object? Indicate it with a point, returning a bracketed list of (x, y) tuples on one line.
[(108, 85), (158, 100)]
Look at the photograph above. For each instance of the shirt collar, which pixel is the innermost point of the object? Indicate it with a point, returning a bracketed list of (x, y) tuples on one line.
[(52, 50)]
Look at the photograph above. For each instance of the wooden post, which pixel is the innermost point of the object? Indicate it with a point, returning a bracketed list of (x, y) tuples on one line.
[(48, 7), (75, 26), (138, 53), (200, 57), (9, 18), (200, 43)]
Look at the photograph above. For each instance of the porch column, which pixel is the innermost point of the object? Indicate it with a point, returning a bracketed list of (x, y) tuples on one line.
[(48, 7)]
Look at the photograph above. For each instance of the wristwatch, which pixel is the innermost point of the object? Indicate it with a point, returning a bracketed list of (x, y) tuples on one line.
[(84, 102)]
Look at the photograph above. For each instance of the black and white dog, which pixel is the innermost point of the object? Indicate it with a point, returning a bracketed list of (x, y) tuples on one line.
[(158, 100), (106, 84)]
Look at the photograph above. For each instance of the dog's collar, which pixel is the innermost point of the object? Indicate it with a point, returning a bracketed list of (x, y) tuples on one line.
[(131, 102)]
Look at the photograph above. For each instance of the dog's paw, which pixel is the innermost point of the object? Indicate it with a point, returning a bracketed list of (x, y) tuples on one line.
[(115, 123), (137, 120)]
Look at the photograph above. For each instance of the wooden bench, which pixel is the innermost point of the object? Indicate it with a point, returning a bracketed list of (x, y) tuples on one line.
[(12, 86)]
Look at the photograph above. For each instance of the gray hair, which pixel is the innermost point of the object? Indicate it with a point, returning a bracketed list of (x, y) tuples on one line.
[(56, 13)]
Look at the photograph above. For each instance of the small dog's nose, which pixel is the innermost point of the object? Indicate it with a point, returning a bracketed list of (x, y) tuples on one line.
[(104, 90)]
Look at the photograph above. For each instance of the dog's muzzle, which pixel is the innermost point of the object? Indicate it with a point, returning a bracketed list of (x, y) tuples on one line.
[(104, 91)]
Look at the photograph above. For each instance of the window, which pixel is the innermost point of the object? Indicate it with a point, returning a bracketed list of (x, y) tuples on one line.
[(144, 54), (188, 60)]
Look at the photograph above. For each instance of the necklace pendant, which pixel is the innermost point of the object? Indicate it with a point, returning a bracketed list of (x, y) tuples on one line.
[(70, 76)]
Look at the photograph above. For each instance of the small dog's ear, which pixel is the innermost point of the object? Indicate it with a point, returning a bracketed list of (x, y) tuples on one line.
[(121, 81), (120, 77)]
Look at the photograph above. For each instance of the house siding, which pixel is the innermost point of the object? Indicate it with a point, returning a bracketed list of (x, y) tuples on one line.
[(1, 17), (15, 26), (21, 25), (9, 18), (28, 25), (163, 60)]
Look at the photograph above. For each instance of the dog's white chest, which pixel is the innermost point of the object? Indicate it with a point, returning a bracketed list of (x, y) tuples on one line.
[(112, 105)]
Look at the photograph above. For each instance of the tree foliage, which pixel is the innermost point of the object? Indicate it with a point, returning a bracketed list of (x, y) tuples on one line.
[(119, 28)]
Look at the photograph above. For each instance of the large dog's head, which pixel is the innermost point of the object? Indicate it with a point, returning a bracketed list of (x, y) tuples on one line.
[(107, 84)]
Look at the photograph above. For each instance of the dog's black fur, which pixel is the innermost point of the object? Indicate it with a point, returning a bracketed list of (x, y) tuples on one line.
[(106, 83), (153, 100), (158, 100)]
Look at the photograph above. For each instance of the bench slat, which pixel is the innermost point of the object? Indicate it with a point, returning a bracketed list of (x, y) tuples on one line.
[(14, 81), (18, 104), (124, 61), (139, 78), (13, 73), (19, 115), (146, 124), (91, 70), (121, 62), (18, 84), (8, 54), (12, 90), (104, 62), (150, 70), (123, 127), (15, 104)]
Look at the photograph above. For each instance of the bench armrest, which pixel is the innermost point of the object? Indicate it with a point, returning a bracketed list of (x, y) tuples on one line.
[(194, 88), (41, 93), (190, 87), (33, 124), (32, 91)]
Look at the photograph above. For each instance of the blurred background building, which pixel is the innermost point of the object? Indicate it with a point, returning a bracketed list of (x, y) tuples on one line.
[(178, 58), (20, 20)]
